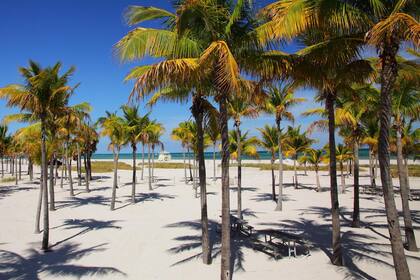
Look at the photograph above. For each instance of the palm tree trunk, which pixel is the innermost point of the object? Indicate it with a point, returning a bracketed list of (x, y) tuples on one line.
[(238, 141), (52, 198), (44, 170), (16, 171), (149, 167), (79, 166), (39, 205), (214, 161), (133, 189), (62, 172), (388, 75), (273, 178), (89, 164), (20, 168), (195, 176), (205, 238), (371, 169), (114, 185), (318, 185), (86, 171), (295, 170), (408, 177), (68, 161), (189, 163), (343, 179), (225, 273), (404, 191), (31, 169), (337, 258), (356, 208), (153, 163), (185, 165), (142, 162)]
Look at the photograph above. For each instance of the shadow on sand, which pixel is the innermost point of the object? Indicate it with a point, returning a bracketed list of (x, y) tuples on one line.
[(9, 190), (85, 225), (56, 263)]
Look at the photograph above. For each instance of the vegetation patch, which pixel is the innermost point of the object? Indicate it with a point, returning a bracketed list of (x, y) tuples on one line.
[(413, 170), (105, 166), (7, 180)]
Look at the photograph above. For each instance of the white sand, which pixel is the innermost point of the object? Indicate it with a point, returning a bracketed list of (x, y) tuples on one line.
[(159, 237)]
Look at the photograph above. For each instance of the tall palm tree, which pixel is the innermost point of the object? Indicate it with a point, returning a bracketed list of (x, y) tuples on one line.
[(201, 50), (135, 124), (239, 107), (269, 141), (405, 105), (296, 142), (280, 100), (387, 24), (114, 127), (37, 98)]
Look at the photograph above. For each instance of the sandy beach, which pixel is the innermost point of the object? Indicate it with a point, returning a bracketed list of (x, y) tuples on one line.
[(159, 236)]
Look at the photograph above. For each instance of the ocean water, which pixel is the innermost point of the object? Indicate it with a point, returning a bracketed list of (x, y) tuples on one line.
[(363, 154)]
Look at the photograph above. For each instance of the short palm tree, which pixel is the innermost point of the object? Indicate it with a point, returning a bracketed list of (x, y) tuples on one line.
[(183, 134), (315, 157), (243, 145), (213, 133), (279, 102), (134, 124), (114, 127), (296, 142), (269, 141), (343, 154)]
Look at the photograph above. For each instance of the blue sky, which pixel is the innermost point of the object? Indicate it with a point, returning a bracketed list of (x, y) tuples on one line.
[(82, 33)]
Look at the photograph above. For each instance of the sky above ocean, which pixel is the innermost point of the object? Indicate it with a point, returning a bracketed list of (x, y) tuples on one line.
[(82, 33)]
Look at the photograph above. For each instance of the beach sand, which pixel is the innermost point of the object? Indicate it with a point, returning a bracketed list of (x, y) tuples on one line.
[(160, 236)]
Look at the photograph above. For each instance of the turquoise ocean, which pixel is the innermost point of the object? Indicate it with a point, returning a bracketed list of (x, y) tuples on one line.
[(363, 154)]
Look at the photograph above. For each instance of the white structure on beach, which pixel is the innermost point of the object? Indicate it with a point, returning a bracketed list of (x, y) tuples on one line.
[(164, 156)]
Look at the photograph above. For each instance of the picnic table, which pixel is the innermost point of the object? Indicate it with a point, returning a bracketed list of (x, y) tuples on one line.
[(288, 239)]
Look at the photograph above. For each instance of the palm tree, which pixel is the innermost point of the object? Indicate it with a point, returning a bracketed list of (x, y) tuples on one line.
[(388, 23), (204, 47), (135, 124), (343, 154), (241, 146), (296, 142), (114, 127), (4, 140), (315, 157), (183, 134), (280, 100), (213, 133), (37, 97), (239, 107), (405, 105), (155, 133), (269, 141)]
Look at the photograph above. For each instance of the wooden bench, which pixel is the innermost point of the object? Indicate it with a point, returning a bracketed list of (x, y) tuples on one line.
[(238, 225)]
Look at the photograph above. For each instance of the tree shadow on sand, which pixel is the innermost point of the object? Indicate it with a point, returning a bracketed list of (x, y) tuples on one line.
[(75, 202), (192, 243), (269, 196), (244, 189), (9, 190), (356, 246), (143, 197), (85, 225), (56, 263)]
